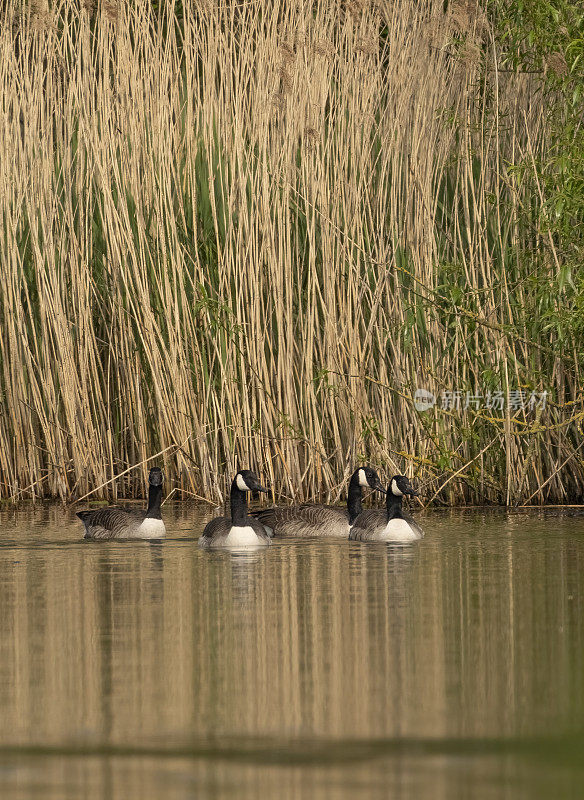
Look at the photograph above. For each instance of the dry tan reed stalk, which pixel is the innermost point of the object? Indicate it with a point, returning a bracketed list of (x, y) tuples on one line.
[(243, 234)]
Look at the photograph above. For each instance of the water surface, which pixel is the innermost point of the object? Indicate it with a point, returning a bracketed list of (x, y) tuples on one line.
[(450, 668)]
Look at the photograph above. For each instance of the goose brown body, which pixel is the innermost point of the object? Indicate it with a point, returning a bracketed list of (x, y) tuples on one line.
[(238, 529), (218, 531), (307, 520), (391, 524), (310, 520), (122, 523)]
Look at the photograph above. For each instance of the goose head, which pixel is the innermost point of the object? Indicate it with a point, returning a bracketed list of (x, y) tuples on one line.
[(247, 481), (155, 477), (369, 478), (400, 486)]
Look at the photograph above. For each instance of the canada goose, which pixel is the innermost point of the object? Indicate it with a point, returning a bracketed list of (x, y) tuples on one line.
[(318, 520), (239, 530), (121, 523), (390, 525)]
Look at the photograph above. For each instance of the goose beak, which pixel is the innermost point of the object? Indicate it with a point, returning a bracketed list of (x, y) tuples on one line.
[(378, 487), (413, 492), (259, 488)]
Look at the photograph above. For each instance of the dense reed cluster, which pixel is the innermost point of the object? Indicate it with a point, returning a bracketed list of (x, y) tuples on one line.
[(246, 233)]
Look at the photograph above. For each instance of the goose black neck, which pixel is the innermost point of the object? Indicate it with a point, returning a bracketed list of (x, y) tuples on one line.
[(238, 502), (394, 506), (154, 498), (354, 496)]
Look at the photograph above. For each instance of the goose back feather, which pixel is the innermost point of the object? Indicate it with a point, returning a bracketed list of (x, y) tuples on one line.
[(307, 520), (310, 520)]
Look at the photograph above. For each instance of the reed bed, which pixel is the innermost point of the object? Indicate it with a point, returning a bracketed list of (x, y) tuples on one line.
[(246, 233)]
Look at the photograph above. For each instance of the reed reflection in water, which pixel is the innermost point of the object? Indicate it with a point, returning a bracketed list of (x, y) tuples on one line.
[(448, 668)]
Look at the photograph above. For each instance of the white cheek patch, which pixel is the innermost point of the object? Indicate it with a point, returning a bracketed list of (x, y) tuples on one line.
[(363, 478), (394, 489), (242, 485)]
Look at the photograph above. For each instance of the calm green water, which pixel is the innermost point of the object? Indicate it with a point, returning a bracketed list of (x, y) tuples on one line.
[(453, 668)]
